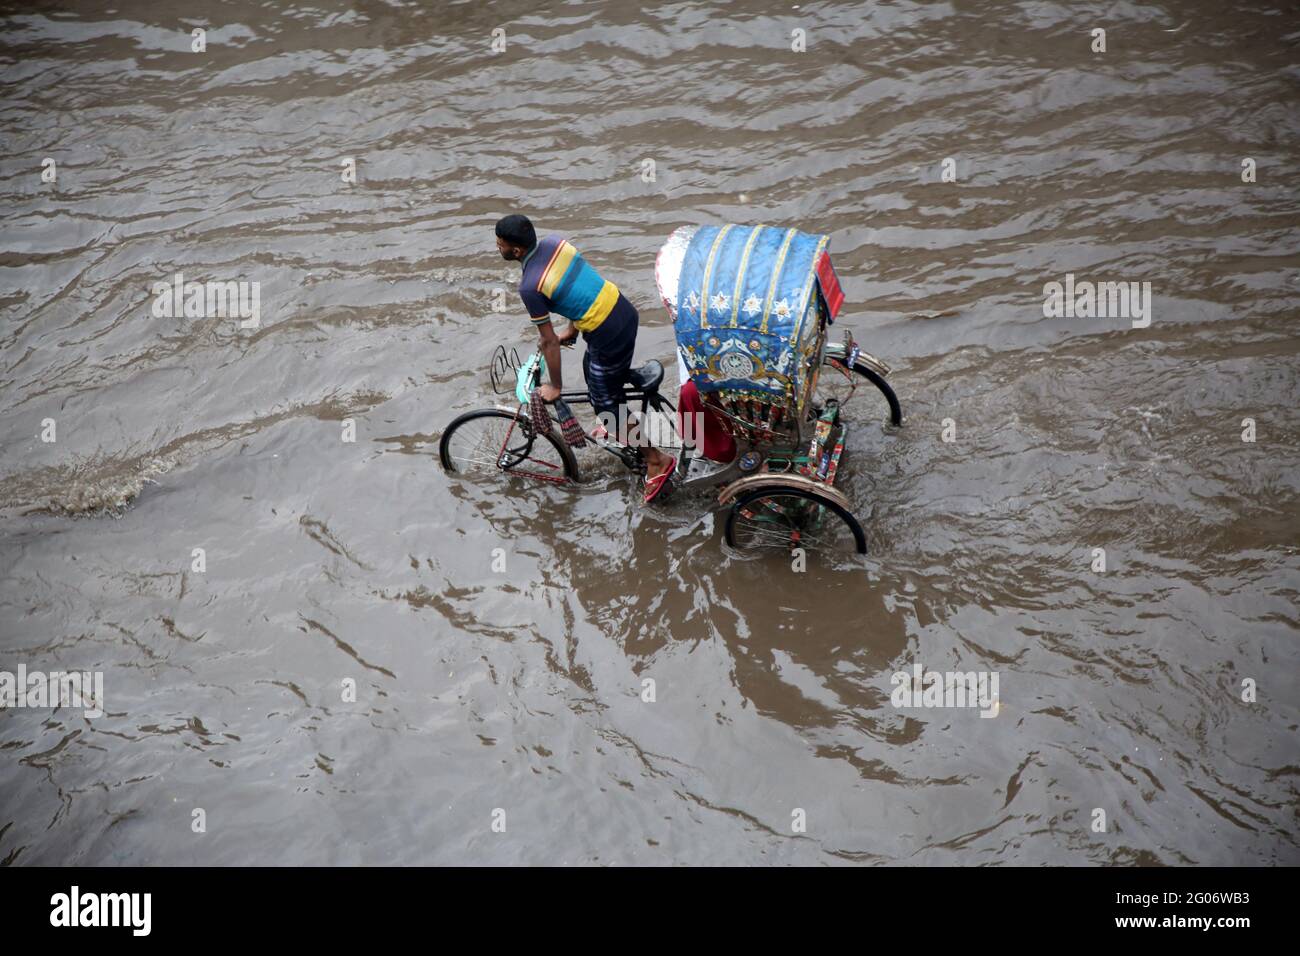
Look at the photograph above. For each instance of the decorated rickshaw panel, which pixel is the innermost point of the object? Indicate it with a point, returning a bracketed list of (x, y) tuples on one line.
[(748, 317)]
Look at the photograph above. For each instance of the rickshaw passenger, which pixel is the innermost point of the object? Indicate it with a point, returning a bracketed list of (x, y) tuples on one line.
[(714, 443), (557, 279)]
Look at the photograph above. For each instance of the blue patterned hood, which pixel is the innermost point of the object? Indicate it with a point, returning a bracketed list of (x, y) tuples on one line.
[(749, 310)]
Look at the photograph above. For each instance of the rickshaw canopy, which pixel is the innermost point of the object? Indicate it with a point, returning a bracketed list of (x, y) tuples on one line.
[(749, 306)]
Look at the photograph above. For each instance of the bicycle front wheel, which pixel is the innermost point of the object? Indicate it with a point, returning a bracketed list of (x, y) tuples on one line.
[(494, 441)]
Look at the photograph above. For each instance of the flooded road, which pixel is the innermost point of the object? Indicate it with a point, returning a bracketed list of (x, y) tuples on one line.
[(312, 640)]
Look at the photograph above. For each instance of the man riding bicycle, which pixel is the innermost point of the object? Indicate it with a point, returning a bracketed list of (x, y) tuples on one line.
[(556, 279)]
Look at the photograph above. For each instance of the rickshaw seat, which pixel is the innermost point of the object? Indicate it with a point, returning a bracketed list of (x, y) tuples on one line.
[(647, 377)]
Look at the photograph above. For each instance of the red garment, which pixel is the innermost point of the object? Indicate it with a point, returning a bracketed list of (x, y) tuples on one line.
[(717, 445)]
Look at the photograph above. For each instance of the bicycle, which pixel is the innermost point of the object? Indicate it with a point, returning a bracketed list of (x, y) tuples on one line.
[(778, 488)]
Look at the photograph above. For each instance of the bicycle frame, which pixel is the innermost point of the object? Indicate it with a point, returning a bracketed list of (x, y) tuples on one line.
[(638, 399)]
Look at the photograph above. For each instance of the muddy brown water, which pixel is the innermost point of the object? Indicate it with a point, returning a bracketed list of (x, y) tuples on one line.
[(480, 691)]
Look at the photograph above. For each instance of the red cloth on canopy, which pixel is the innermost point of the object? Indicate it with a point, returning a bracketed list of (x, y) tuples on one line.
[(830, 285)]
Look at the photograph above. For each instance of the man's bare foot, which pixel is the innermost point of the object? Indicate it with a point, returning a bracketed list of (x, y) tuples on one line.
[(658, 473), (657, 463)]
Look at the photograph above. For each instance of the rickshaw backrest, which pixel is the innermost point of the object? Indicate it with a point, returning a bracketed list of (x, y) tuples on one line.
[(750, 306)]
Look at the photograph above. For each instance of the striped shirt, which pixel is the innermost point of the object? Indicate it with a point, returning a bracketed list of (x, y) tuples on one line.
[(557, 279)]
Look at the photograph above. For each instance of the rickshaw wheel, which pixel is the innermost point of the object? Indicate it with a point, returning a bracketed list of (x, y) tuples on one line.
[(789, 518), (839, 382)]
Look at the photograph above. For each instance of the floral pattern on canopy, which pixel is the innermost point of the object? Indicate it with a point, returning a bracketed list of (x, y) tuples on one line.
[(750, 306)]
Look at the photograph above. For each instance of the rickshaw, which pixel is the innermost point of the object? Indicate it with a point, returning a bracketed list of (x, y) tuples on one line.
[(751, 307)]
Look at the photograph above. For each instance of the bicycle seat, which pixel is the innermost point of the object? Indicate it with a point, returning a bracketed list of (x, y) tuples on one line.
[(647, 377)]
